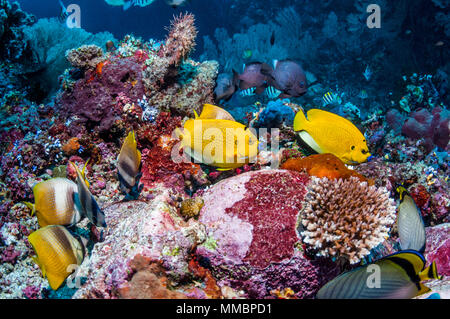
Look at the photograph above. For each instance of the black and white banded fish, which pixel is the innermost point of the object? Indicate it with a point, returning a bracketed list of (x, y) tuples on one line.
[(272, 93), (247, 92), (88, 204)]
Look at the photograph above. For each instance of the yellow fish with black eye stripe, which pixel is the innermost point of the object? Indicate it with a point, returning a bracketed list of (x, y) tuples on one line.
[(58, 252), (212, 140), (327, 132), (397, 276)]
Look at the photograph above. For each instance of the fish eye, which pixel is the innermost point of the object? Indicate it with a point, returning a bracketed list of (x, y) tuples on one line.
[(353, 147), (363, 151)]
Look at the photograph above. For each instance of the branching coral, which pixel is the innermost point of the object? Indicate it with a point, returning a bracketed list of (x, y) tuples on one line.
[(345, 218)]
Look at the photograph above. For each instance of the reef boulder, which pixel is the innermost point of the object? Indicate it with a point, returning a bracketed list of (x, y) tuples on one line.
[(252, 242)]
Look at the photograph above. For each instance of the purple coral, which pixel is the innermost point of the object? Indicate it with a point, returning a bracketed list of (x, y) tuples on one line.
[(433, 127), (9, 255)]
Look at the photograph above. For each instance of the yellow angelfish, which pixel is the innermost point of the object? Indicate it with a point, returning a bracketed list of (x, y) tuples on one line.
[(215, 138), (56, 202), (327, 132), (58, 253)]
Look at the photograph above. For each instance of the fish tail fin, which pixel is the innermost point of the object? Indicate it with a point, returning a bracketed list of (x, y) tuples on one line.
[(31, 206), (422, 289), (300, 121), (430, 273), (127, 5)]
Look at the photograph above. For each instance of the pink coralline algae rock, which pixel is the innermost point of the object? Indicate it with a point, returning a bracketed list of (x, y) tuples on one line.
[(438, 247), (252, 242), (9, 255), (152, 230)]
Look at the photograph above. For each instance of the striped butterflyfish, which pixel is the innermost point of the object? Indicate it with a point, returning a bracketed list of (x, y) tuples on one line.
[(129, 163), (411, 229), (56, 202), (88, 204), (397, 276), (57, 253)]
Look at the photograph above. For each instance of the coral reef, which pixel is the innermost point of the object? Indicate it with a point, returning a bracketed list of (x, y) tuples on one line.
[(346, 218), (252, 242)]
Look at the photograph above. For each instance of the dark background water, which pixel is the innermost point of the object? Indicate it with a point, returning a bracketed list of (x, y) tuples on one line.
[(147, 22)]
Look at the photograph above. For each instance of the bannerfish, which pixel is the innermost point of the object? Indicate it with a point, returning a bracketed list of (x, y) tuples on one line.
[(129, 164), (222, 143), (327, 132), (252, 78), (176, 3), (88, 204), (288, 77), (137, 3), (56, 253), (397, 276), (64, 14), (226, 86), (56, 202), (411, 229)]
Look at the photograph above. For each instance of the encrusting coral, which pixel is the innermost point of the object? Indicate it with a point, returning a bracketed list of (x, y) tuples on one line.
[(345, 218), (323, 165)]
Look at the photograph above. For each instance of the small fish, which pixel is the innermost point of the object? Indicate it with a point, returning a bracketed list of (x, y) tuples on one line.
[(226, 86), (138, 3), (411, 229), (129, 164), (331, 98), (272, 38), (56, 202), (88, 204), (272, 93), (247, 54), (247, 92), (363, 95), (367, 73), (439, 44), (400, 277), (64, 14), (57, 251), (226, 144), (176, 3), (326, 132), (286, 76)]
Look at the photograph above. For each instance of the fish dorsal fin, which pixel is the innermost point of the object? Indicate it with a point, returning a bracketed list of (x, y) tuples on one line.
[(316, 114), (429, 273), (213, 112), (412, 257)]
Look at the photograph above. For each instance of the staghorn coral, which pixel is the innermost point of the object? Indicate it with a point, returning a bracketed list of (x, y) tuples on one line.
[(345, 218)]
